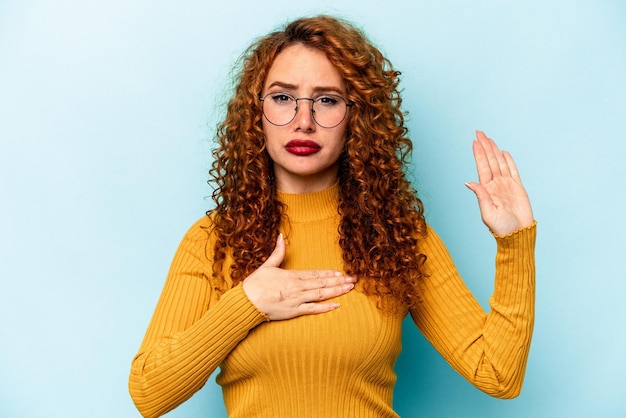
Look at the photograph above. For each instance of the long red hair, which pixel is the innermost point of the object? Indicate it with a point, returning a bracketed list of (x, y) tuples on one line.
[(381, 215)]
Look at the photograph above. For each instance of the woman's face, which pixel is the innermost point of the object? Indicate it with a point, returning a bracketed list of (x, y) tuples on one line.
[(305, 154)]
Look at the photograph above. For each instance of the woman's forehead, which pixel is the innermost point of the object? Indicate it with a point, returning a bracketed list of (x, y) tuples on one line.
[(302, 67)]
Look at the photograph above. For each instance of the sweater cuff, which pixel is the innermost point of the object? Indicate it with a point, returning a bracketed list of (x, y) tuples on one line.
[(524, 231), (240, 307)]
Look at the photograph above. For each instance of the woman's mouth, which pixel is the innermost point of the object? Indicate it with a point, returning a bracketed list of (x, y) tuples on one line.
[(300, 147)]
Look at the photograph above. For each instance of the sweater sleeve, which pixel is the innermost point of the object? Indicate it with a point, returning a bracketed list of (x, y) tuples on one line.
[(191, 331), (490, 350)]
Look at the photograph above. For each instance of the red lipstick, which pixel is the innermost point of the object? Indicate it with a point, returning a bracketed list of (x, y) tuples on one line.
[(302, 147)]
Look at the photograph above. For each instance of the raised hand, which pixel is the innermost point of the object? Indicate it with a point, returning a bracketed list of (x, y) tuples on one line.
[(286, 294), (502, 199)]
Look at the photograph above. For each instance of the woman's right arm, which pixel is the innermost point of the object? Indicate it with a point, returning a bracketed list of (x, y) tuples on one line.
[(191, 331)]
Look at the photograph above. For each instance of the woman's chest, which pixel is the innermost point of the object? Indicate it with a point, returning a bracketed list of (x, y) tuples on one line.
[(355, 338)]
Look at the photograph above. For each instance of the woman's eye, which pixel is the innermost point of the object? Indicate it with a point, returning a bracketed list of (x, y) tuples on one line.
[(327, 100), (282, 98)]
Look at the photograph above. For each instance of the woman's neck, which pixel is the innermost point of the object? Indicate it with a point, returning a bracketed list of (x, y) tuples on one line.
[(306, 184)]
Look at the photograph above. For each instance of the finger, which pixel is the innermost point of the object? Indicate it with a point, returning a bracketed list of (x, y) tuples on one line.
[(325, 281), (498, 158), (512, 166), (277, 256), (476, 188), (485, 203), (324, 293), (491, 152), (483, 168), (314, 276)]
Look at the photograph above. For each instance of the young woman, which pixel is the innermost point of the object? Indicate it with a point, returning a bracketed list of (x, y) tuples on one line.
[(297, 283)]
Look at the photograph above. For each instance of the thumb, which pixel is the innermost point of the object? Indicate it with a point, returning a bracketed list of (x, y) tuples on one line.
[(485, 204), (481, 195), (277, 256)]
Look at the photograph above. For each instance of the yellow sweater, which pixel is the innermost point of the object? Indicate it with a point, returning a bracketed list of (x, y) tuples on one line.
[(337, 364)]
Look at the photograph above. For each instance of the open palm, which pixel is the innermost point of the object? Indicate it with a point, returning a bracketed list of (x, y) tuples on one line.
[(503, 201)]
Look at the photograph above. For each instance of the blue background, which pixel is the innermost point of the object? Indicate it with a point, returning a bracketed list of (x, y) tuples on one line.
[(107, 111)]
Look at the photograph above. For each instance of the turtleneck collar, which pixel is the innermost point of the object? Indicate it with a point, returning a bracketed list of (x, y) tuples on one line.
[(307, 207)]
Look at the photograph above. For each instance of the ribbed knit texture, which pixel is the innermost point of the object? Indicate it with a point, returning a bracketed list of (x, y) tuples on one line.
[(337, 364)]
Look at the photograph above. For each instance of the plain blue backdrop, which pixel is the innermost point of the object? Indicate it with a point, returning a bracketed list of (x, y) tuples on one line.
[(107, 112)]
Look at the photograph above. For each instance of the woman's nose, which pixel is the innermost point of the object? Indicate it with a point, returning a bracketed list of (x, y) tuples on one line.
[(304, 115)]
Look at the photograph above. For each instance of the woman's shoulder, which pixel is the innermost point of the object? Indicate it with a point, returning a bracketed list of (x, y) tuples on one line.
[(201, 230)]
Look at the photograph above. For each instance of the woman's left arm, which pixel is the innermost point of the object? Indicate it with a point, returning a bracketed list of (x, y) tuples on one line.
[(490, 350)]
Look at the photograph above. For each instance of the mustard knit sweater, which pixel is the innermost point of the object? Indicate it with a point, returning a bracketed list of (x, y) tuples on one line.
[(337, 364)]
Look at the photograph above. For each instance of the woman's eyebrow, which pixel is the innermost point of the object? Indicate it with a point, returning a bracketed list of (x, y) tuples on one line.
[(292, 87), (328, 89), (282, 85)]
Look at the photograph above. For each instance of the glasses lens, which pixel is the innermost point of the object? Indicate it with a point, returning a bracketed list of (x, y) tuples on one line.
[(328, 110), (279, 108)]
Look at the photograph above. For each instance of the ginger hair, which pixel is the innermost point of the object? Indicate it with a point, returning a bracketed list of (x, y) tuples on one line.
[(381, 215)]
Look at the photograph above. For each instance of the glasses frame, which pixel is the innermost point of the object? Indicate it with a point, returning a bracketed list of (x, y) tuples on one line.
[(312, 100)]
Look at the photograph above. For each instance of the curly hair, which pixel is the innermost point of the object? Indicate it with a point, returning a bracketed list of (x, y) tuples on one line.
[(381, 215)]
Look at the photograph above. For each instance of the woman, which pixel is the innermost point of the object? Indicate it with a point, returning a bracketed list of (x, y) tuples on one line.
[(297, 283)]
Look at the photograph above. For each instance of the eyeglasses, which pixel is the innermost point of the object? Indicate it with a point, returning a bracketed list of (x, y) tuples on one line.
[(328, 110)]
